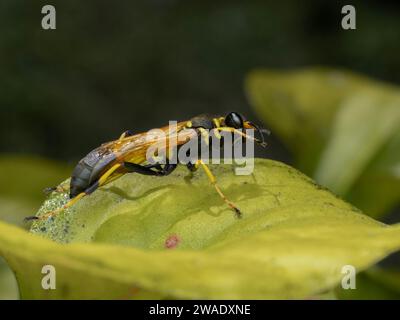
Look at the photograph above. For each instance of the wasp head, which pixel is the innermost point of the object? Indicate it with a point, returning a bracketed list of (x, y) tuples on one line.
[(237, 121)]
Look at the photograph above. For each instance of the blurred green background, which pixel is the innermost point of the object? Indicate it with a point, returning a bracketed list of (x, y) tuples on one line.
[(112, 66)]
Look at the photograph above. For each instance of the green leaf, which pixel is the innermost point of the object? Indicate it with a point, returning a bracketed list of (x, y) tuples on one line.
[(8, 284), (375, 283), (299, 106), (357, 146), (26, 177), (20, 196), (172, 237), (343, 129)]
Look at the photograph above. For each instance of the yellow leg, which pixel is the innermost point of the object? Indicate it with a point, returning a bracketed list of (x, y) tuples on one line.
[(205, 135), (108, 173), (213, 181), (125, 134), (67, 205), (217, 124), (102, 181), (115, 176)]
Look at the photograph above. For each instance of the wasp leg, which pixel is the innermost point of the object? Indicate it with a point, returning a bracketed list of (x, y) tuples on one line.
[(205, 135), (217, 123), (105, 178), (192, 166), (49, 190), (125, 134), (59, 189), (55, 212), (168, 168), (157, 166), (213, 180), (149, 169)]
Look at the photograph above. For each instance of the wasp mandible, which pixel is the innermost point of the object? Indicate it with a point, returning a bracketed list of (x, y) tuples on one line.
[(128, 155)]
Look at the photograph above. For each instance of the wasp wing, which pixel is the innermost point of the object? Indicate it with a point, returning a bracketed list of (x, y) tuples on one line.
[(135, 148)]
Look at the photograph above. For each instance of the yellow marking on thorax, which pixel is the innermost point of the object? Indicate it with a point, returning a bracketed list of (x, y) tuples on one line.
[(217, 124)]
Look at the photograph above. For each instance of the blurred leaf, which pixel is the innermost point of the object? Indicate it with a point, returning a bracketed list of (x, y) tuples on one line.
[(375, 283), (343, 129), (300, 106), (8, 284), (14, 211), (26, 177), (22, 193), (378, 188), (173, 237), (363, 125)]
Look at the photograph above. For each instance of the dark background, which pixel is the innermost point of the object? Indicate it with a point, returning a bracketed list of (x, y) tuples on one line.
[(116, 65)]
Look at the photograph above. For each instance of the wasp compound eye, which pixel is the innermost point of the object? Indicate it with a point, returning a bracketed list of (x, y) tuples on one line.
[(234, 120)]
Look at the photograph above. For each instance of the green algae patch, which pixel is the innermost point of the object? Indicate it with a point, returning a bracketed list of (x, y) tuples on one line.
[(173, 237)]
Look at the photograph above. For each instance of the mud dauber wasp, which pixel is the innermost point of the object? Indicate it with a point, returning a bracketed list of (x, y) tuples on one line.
[(128, 154)]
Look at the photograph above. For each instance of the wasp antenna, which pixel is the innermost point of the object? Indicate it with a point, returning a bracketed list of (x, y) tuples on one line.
[(266, 131), (261, 132)]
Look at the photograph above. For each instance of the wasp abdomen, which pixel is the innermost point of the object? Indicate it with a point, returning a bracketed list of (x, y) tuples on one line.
[(89, 169)]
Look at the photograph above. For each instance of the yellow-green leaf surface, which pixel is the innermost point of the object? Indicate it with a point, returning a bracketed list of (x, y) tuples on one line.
[(344, 130), (171, 237), (23, 179), (8, 284)]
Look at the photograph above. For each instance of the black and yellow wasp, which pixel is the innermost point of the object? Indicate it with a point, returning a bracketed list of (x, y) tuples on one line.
[(128, 154)]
